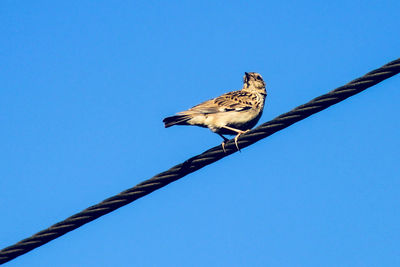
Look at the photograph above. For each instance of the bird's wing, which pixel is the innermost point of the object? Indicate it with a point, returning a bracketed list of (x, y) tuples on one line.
[(237, 101), (232, 101)]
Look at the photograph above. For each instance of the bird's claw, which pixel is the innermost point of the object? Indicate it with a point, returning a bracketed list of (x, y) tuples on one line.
[(223, 146), (236, 143), (236, 138)]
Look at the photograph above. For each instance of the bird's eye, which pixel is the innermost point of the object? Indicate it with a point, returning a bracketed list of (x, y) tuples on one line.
[(259, 78)]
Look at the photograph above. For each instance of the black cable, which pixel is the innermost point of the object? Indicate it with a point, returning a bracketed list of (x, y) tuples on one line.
[(200, 161)]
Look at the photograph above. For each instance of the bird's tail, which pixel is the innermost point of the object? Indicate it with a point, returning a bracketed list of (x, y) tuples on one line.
[(176, 120)]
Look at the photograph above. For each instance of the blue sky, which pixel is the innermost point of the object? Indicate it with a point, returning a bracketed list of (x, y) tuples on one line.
[(84, 89)]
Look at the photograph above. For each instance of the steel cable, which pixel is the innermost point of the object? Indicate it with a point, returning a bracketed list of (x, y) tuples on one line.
[(191, 165)]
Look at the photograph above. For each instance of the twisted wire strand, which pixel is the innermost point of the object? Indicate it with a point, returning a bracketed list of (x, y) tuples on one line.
[(193, 164)]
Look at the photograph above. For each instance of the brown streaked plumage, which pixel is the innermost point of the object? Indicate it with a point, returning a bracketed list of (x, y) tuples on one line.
[(229, 114)]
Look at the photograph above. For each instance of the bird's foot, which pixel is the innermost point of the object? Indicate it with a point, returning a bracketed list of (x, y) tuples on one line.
[(224, 142), (223, 146), (236, 138)]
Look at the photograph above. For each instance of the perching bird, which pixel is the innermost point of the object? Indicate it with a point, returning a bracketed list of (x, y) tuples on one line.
[(232, 113)]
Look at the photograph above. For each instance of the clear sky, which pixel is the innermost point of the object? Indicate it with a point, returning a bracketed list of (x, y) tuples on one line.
[(85, 86)]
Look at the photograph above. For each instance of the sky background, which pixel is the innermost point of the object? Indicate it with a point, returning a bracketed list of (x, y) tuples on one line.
[(84, 86)]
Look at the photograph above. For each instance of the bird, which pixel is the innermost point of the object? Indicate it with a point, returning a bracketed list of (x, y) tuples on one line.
[(232, 113)]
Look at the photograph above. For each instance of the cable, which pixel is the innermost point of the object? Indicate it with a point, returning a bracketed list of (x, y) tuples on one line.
[(193, 164)]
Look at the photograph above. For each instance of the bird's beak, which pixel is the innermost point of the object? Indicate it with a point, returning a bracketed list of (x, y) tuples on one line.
[(246, 77)]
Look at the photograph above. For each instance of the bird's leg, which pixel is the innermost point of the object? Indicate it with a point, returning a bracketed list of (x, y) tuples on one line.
[(237, 136), (223, 143)]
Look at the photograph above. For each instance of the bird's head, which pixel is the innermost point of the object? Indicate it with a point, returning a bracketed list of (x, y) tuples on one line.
[(253, 81)]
